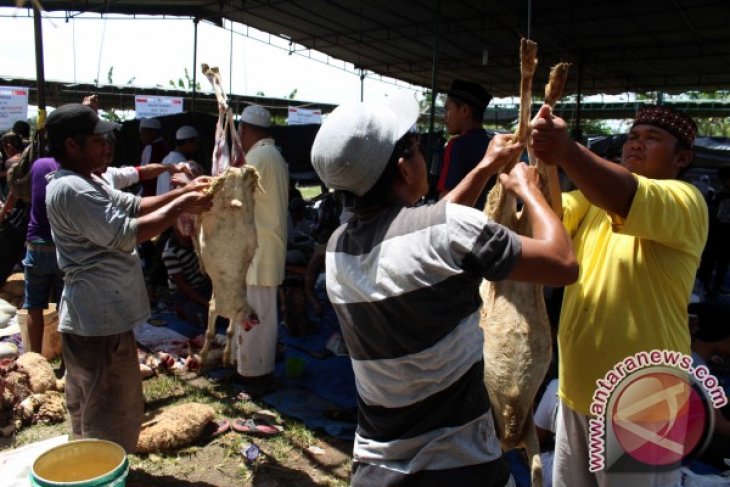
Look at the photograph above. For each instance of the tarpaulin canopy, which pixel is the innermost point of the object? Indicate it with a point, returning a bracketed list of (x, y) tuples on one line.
[(615, 45)]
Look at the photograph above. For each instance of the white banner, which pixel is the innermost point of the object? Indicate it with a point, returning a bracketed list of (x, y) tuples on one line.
[(157, 106), (302, 116), (13, 105)]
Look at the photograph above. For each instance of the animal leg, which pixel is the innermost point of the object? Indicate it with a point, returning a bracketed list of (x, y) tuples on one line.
[(229, 338), (209, 333), (532, 448)]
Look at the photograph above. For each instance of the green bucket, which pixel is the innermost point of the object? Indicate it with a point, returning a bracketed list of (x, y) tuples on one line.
[(81, 463)]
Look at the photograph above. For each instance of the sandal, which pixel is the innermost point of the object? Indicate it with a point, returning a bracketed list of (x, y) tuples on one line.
[(255, 427), (268, 417)]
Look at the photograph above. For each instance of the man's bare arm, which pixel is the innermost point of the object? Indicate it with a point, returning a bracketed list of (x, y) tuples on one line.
[(499, 152)]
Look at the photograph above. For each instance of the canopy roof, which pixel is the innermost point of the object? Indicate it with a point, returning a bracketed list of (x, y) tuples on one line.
[(615, 45)]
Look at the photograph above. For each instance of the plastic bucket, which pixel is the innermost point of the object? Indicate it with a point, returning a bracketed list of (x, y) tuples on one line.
[(87, 463)]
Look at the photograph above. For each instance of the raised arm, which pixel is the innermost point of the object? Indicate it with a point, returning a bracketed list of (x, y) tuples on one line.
[(547, 257), (155, 222), (152, 170), (499, 152), (606, 184), (152, 203)]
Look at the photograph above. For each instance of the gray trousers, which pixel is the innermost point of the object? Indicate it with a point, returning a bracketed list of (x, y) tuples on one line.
[(570, 466), (104, 387)]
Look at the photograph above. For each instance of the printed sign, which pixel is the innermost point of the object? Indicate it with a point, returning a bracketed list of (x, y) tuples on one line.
[(302, 116), (156, 106), (13, 105)]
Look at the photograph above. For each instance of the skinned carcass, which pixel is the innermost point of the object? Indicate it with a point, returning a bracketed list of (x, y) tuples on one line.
[(517, 338), (225, 237)]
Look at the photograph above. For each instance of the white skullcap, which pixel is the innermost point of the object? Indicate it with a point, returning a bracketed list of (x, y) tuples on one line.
[(256, 115), (186, 132), (150, 123)]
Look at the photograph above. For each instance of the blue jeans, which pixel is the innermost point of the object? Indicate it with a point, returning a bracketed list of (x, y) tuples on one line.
[(42, 276)]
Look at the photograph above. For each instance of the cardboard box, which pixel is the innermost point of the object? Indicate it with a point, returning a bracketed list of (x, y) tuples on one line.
[(51, 337)]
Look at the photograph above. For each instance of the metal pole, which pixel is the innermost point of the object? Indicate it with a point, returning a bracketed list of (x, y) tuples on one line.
[(529, 19), (362, 84), (195, 62), (434, 88), (39, 72), (578, 130), (434, 71), (230, 64)]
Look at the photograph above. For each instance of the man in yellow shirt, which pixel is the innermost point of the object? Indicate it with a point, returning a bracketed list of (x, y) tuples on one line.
[(638, 234)]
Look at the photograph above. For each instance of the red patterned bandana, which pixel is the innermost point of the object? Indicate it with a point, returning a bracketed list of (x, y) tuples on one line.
[(676, 123)]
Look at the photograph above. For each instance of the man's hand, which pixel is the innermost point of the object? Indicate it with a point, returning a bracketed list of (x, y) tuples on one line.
[(522, 180), (198, 184), (92, 102), (551, 142), (180, 167), (501, 150), (194, 202)]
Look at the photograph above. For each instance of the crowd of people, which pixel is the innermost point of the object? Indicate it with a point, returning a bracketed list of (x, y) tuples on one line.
[(402, 274)]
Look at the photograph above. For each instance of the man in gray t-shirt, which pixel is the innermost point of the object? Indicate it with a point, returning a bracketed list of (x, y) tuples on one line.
[(96, 230)]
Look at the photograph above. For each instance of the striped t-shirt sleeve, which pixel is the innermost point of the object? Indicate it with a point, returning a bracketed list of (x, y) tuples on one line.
[(179, 260), (479, 244)]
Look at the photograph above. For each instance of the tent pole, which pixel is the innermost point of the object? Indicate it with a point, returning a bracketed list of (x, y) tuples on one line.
[(362, 85), (578, 131), (195, 62), (431, 142), (432, 108), (39, 71), (230, 64)]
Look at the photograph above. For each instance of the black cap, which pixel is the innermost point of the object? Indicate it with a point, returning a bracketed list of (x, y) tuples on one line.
[(22, 128), (471, 93), (75, 119)]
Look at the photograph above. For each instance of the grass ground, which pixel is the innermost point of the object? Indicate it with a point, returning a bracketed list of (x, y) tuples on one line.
[(297, 457), (309, 192)]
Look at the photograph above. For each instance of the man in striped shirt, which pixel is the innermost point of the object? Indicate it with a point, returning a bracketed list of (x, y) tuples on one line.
[(190, 288), (404, 282)]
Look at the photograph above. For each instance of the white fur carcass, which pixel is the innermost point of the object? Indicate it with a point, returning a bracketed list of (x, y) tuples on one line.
[(225, 240), (517, 338), (225, 237)]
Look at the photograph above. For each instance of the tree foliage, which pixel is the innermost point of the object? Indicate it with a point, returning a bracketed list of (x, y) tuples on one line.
[(185, 83)]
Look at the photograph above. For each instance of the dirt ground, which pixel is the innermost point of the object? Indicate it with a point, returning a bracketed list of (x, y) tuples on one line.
[(296, 457)]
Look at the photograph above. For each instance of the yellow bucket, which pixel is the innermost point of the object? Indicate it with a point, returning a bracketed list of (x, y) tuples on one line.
[(81, 463)]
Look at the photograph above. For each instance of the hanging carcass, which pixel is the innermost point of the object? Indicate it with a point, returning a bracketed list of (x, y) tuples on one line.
[(517, 339), (225, 237)]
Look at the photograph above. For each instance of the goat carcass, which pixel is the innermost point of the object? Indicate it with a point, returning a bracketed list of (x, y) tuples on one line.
[(517, 339), (225, 237)]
